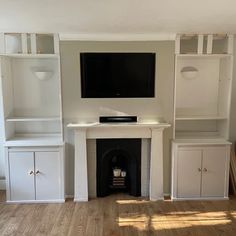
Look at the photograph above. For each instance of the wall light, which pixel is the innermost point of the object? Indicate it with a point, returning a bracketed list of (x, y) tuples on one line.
[(189, 72)]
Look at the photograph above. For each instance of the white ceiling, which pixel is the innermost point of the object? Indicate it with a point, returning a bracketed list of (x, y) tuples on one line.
[(118, 16)]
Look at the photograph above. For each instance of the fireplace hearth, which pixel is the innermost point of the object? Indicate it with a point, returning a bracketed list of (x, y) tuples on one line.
[(118, 166)]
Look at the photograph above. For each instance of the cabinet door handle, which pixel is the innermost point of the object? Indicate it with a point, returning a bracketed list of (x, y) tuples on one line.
[(205, 169), (30, 172), (199, 169), (37, 172)]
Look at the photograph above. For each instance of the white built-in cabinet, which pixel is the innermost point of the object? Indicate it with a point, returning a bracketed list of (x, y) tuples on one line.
[(35, 175), (203, 83), (32, 116), (200, 171)]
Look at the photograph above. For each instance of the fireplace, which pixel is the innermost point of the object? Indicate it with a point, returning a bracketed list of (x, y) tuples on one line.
[(118, 166), (88, 132)]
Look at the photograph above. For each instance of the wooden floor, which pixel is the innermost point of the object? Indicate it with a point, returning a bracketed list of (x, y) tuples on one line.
[(119, 215)]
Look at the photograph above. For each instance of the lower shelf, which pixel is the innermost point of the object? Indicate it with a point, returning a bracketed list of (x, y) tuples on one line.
[(202, 141), (35, 140)]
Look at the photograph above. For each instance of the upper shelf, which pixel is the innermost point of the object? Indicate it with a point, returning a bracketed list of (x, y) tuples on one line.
[(204, 44), (43, 56), (29, 45)]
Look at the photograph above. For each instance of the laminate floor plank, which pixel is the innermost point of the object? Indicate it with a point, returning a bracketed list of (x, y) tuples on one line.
[(63, 219), (119, 215)]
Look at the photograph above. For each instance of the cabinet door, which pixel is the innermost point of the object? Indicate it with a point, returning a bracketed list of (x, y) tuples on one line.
[(48, 178), (189, 173), (214, 171), (21, 173)]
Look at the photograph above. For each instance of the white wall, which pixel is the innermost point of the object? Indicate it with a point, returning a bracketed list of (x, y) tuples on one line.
[(233, 101), (1, 136), (77, 109)]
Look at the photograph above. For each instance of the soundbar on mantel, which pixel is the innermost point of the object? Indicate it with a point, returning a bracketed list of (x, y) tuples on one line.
[(117, 119)]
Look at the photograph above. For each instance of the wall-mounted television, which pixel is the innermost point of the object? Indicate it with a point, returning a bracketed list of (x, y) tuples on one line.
[(117, 75)]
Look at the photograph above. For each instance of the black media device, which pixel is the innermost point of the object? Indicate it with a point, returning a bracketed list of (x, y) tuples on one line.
[(117, 119), (117, 75)]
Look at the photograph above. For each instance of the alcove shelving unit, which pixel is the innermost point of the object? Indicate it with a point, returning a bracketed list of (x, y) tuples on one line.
[(30, 71), (32, 115), (203, 83)]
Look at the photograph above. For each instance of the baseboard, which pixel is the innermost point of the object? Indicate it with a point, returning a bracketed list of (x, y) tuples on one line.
[(2, 184), (69, 196), (36, 201), (200, 199), (166, 194), (80, 199)]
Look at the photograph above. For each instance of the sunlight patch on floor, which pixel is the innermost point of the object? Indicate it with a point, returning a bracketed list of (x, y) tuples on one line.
[(174, 220), (140, 222), (132, 201)]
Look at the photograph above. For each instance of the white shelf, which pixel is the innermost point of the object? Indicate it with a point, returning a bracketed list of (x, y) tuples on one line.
[(25, 119), (202, 141), (198, 135), (35, 140), (200, 118), (40, 56), (203, 55)]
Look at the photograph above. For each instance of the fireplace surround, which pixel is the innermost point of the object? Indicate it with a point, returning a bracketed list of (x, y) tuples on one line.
[(145, 130)]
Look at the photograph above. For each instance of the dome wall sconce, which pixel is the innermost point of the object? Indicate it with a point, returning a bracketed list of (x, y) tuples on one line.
[(189, 72), (42, 73)]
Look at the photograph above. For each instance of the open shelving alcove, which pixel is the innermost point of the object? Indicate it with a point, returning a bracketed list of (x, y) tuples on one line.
[(203, 81), (30, 71)]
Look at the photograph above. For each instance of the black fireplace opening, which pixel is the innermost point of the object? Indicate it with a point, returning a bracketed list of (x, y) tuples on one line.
[(118, 166)]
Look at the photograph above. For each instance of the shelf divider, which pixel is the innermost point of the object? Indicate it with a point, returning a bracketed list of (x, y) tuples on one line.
[(33, 43), (24, 43), (209, 43), (2, 43)]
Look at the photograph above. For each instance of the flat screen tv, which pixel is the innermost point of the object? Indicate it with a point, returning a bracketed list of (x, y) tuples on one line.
[(117, 75)]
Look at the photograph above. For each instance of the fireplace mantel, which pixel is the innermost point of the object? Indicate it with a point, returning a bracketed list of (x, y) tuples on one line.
[(153, 130)]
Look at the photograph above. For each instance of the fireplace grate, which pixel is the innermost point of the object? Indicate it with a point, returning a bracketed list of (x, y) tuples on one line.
[(118, 182)]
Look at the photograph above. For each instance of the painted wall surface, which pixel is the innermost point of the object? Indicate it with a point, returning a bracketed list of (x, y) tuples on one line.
[(2, 172), (1, 152), (77, 109), (233, 101)]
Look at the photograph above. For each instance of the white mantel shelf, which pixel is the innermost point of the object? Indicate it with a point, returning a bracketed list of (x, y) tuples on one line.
[(119, 125), (153, 130)]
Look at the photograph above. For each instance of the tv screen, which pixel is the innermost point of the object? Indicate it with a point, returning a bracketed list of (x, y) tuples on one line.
[(117, 75)]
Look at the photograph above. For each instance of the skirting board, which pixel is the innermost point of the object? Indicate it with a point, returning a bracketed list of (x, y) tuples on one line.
[(2, 184), (37, 201), (200, 199), (166, 194)]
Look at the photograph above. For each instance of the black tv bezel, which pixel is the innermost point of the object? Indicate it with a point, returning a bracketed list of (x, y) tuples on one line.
[(83, 83)]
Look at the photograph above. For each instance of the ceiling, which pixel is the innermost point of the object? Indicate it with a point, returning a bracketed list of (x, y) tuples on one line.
[(118, 16)]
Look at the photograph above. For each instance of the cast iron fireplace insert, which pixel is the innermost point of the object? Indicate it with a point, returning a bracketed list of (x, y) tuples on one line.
[(121, 155)]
